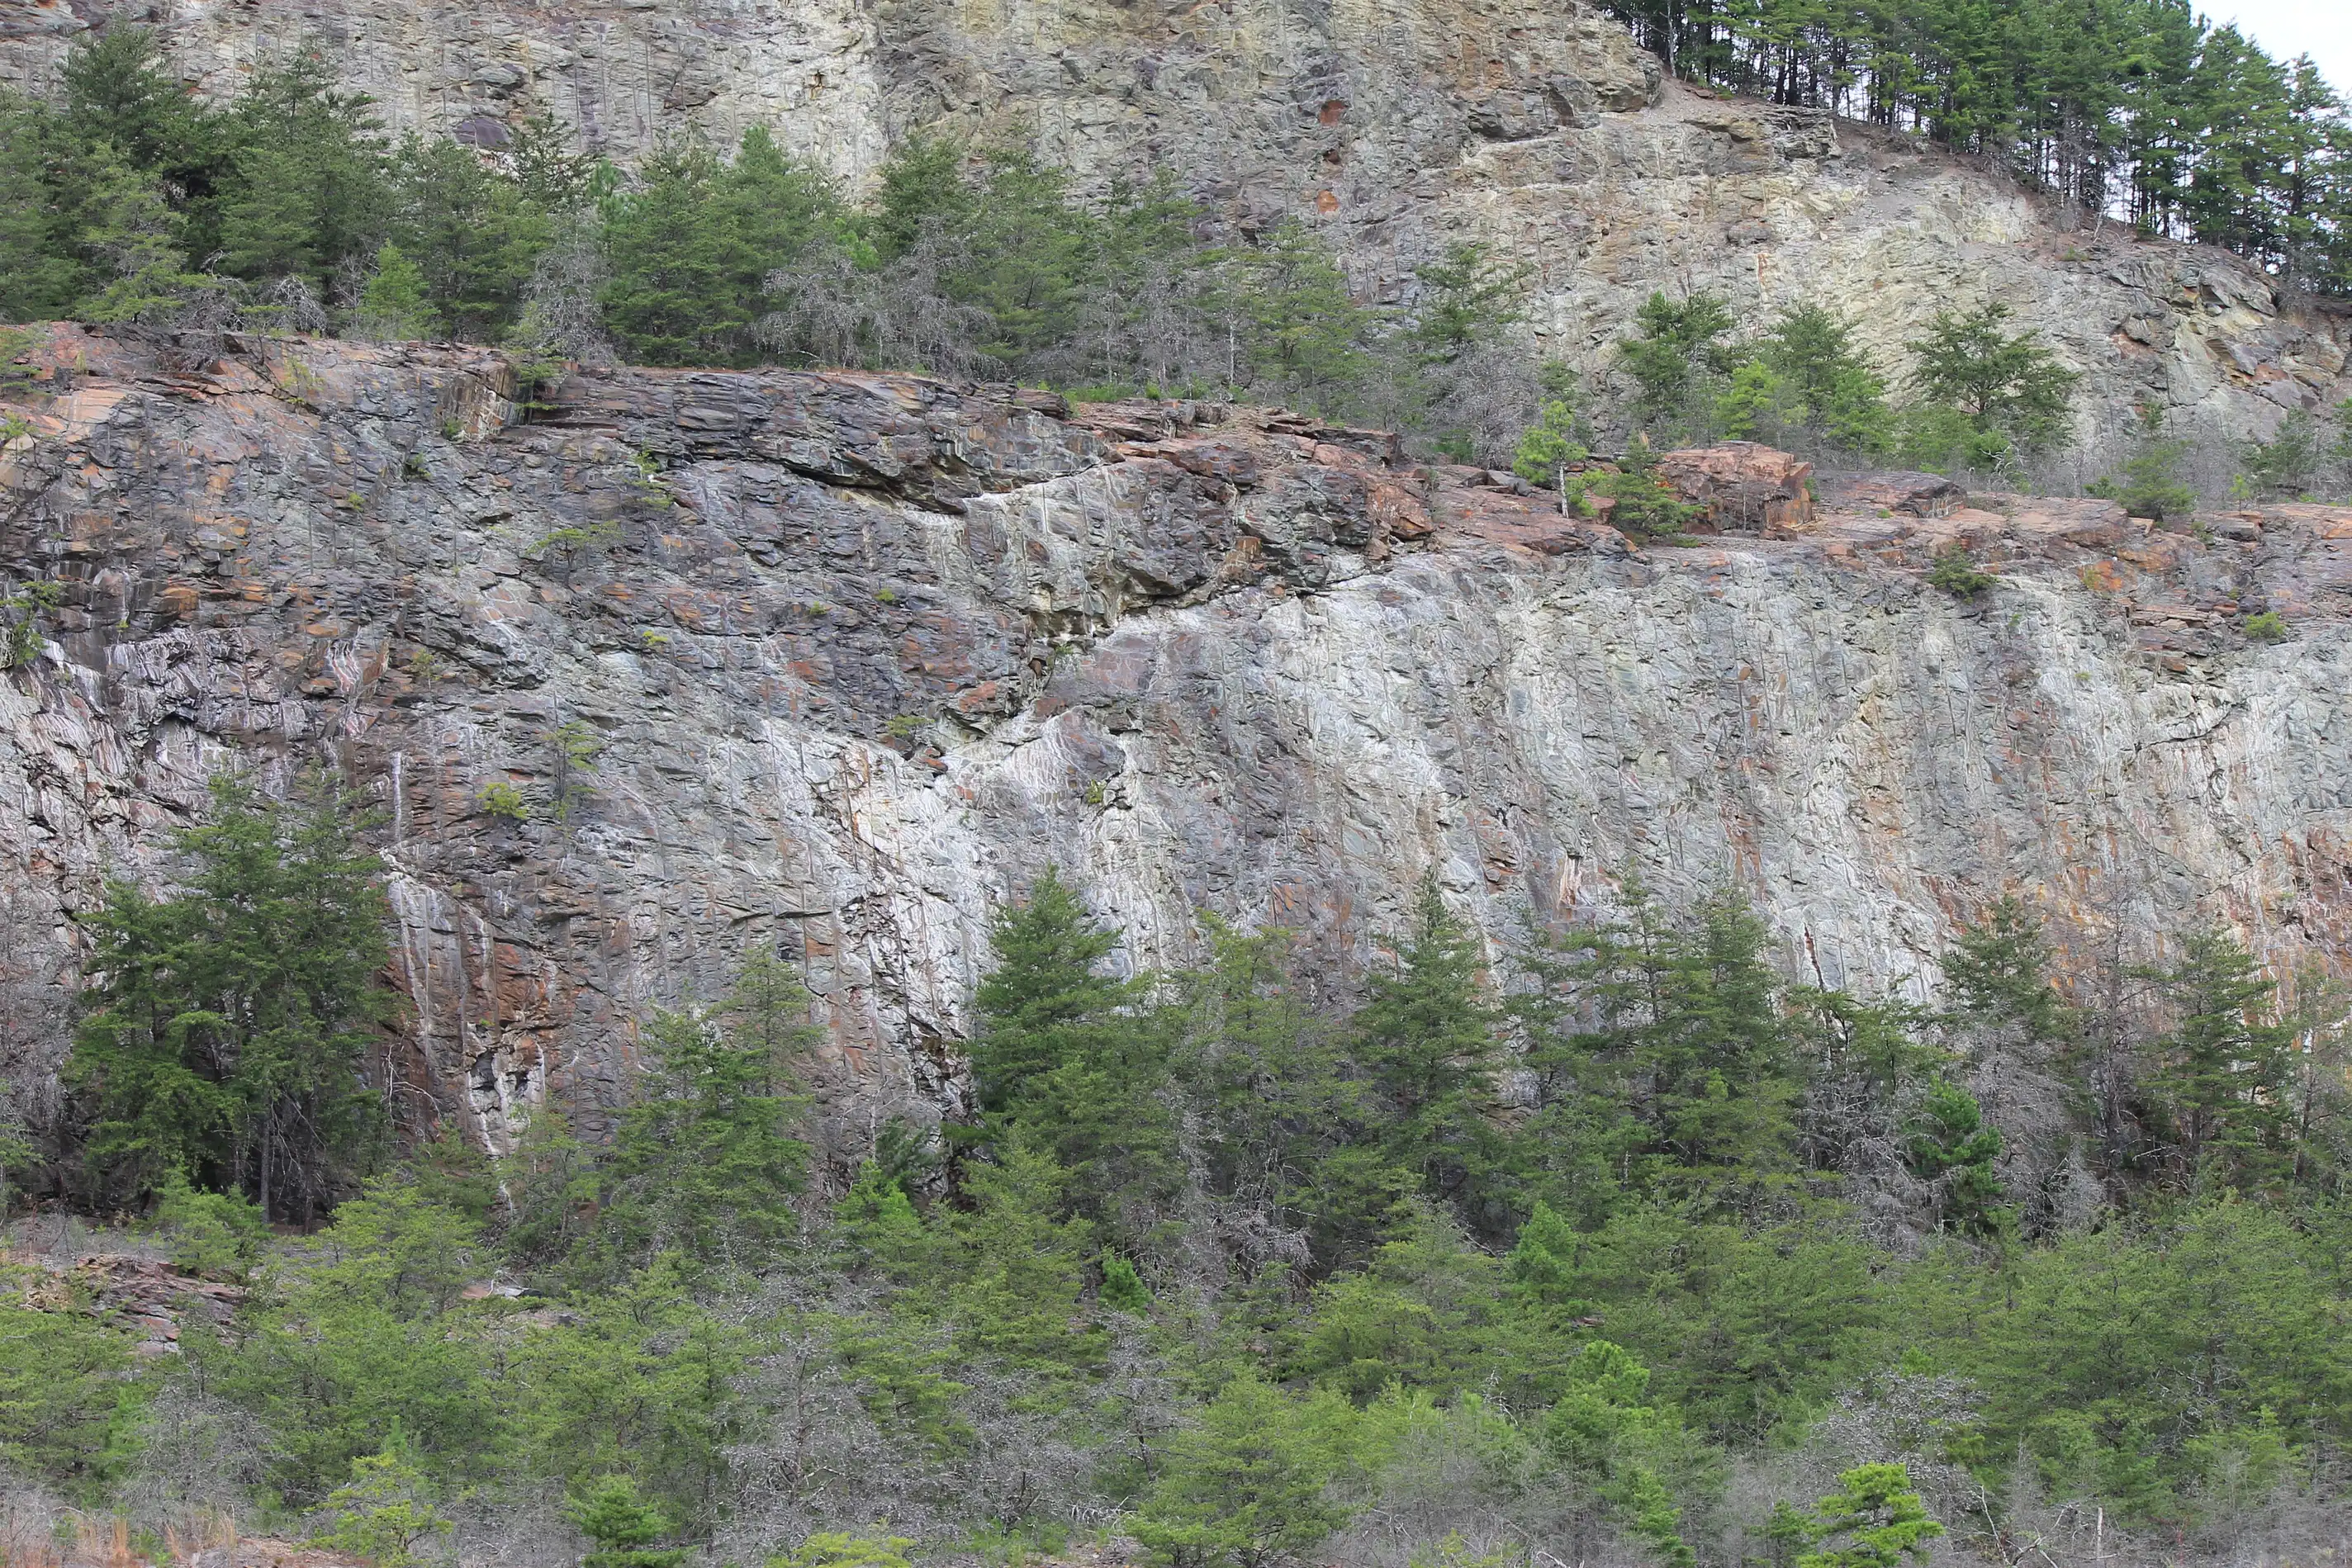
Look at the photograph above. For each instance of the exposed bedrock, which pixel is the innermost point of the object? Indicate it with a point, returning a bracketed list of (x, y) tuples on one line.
[(860, 654), (1395, 125)]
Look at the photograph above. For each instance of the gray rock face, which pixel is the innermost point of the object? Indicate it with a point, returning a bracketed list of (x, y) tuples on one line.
[(861, 655), (1398, 127)]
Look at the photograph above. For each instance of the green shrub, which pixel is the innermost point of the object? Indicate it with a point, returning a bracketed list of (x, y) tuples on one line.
[(2148, 483), (213, 1235), (1957, 574), (386, 1512), (623, 1525), (501, 799), (2268, 626)]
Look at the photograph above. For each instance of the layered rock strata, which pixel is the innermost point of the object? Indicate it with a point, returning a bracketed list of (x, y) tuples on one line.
[(854, 657)]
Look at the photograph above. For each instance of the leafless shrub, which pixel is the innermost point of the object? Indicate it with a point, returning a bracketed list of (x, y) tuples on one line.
[(29, 1516), (560, 317), (201, 1458), (831, 312), (509, 1529), (1487, 398), (1468, 1472)]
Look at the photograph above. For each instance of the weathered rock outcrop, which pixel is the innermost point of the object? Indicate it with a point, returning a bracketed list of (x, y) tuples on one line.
[(1397, 127), (860, 654)]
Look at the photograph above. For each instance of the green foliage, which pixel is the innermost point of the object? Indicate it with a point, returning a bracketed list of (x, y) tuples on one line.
[(705, 1162), (2107, 1355), (2006, 384), (1873, 1521), (1997, 974), (1044, 1003), (229, 1038), (1425, 1041), (1816, 384), (371, 1338), (2148, 483), (2287, 467), (1673, 356), (64, 1398), (394, 306), (1950, 1145), (1957, 574), (215, 1235), (499, 797), (2222, 1073), (2265, 626), (2116, 105), (387, 1512), (1548, 446), (1297, 330), (25, 608), (1123, 1288), (690, 248), (1249, 1485), (1634, 497), (1468, 298), (834, 1550), (623, 1525)]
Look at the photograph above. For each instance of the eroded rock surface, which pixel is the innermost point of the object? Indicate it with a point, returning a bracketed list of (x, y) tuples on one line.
[(1396, 126), (860, 654)]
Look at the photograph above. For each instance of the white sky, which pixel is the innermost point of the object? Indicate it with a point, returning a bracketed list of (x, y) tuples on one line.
[(2320, 28)]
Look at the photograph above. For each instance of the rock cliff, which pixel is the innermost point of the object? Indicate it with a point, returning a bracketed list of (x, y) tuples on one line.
[(1396, 126), (857, 655)]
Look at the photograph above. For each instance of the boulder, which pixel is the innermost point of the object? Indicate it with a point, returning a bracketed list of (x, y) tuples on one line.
[(1745, 485)]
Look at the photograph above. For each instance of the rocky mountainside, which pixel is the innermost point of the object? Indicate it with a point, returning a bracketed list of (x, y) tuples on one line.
[(1397, 127), (828, 663)]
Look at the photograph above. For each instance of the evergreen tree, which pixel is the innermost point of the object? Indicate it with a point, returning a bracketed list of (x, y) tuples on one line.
[(1950, 1145), (2007, 385), (393, 306), (705, 1162), (2148, 482), (1873, 1521), (39, 278), (1675, 352), (1046, 1001), (624, 1526), (1468, 298), (229, 1036), (1294, 329), (1248, 1486), (472, 233), (1997, 973), (2223, 1069), (1425, 1041), (1834, 394)]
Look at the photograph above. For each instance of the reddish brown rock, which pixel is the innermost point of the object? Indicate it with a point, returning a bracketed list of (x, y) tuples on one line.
[(1746, 487)]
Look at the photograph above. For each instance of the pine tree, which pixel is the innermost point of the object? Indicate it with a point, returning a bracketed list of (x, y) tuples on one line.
[(1873, 1521), (2007, 385), (1045, 1003), (39, 279), (1295, 330), (393, 307), (230, 1035), (1425, 1041), (1998, 975), (1249, 1486), (1673, 356), (623, 1525), (2223, 1069), (705, 1162)]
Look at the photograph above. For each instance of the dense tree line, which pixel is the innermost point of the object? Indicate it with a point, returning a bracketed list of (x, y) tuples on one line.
[(1618, 1241), (290, 208), (2139, 109)]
